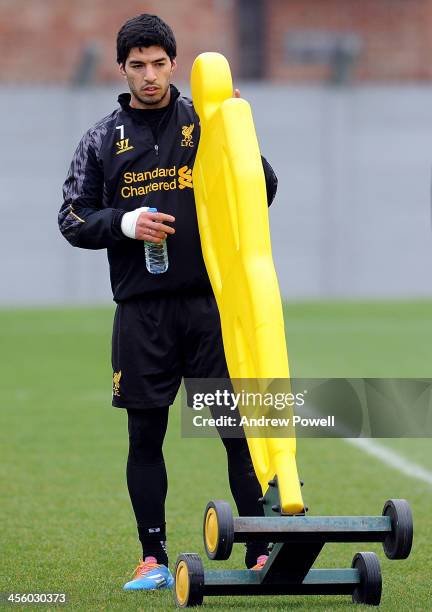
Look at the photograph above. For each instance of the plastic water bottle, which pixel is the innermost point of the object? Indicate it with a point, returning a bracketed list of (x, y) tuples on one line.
[(156, 254)]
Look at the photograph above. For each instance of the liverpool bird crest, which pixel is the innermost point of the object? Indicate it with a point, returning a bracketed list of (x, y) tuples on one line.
[(187, 135)]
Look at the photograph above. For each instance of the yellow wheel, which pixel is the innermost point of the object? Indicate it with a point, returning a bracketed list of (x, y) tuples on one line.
[(182, 583), (211, 530), (189, 581), (218, 530)]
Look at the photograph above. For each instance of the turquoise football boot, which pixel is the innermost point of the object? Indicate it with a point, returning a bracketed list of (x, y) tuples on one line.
[(150, 576)]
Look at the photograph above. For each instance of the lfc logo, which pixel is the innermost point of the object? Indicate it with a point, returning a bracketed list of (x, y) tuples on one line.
[(116, 383), (187, 135)]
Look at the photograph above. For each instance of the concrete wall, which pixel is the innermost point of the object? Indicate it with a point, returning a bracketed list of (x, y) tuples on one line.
[(351, 219)]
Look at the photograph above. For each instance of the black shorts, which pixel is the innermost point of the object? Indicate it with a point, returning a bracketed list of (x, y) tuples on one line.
[(157, 340)]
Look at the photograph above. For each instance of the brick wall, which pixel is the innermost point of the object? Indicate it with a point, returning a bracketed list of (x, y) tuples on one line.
[(396, 37), (43, 40)]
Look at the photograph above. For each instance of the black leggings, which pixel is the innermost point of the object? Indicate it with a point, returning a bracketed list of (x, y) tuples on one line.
[(147, 480)]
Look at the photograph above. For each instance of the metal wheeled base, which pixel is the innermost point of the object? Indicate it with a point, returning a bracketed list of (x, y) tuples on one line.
[(298, 540)]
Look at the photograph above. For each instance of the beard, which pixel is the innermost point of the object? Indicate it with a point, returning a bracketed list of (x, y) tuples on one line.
[(150, 100)]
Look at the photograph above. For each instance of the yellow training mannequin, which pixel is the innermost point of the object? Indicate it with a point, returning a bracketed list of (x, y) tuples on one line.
[(231, 205)]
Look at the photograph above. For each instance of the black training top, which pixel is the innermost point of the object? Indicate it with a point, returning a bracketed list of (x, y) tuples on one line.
[(152, 117), (128, 160)]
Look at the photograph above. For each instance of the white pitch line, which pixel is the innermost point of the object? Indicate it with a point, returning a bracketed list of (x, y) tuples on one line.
[(391, 458)]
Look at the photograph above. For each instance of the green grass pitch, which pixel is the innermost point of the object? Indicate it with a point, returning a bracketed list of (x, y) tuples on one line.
[(67, 524)]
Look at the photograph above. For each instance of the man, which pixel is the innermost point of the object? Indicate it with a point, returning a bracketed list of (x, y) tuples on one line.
[(166, 325)]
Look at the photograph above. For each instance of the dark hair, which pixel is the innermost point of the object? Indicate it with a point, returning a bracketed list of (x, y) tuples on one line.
[(145, 31)]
